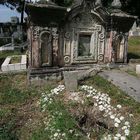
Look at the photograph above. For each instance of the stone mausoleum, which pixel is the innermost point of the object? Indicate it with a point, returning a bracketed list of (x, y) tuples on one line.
[(85, 34)]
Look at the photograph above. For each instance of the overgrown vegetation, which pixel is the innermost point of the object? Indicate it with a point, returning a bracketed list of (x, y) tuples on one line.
[(5, 41), (120, 97), (4, 54), (134, 48), (15, 59), (17, 105), (22, 118)]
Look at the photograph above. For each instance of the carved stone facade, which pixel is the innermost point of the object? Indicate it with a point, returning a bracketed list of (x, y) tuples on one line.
[(86, 34)]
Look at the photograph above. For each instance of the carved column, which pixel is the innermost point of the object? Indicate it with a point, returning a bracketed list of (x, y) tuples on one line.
[(126, 47), (35, 47)]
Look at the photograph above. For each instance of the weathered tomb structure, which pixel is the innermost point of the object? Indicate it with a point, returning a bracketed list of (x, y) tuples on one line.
[(85, 34)]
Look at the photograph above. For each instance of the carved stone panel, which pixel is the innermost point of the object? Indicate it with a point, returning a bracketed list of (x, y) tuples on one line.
[(90, 43), (35, 30)]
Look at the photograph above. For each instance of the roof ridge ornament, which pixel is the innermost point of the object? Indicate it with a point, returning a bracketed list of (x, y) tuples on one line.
[(98, 3), (116, 4)]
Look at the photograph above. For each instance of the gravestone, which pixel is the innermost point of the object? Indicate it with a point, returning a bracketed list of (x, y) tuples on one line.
[(71, 80)]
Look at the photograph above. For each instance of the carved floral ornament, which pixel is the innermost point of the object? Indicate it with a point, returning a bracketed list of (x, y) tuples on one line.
[(35, 32), (101, 36), (67, 59), (67, 35)]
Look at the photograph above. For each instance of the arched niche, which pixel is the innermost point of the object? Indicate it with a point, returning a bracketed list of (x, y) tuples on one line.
[(46, 48), (119, 48)]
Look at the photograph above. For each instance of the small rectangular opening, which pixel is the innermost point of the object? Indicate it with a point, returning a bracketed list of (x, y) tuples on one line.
[(84, 45)]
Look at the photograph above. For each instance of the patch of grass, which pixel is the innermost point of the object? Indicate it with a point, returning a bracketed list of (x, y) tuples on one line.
[(118, 97), (7, 132), (4, 54), (11, 91), (16, 99), (15, 59), (4, 41), (60, 122), (134, 48), (14, 96), (134, 41), (133, 73), (4, 112)]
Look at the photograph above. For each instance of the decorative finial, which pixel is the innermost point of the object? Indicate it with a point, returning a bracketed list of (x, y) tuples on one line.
[(116, 4), (98, 2)]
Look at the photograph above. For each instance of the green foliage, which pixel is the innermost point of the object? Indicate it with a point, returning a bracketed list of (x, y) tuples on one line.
[(6, 131), (118, 97), (13, 96), (4, 54), (60, 121), (134, 41), (134, 48), (4, 41)]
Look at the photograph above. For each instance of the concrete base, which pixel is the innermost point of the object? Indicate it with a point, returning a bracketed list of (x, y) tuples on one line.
[(7, 67), (138, 69)]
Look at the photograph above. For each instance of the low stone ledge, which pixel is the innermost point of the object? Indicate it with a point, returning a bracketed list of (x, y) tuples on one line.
[(138, 69), (7, 67), (134, 61), (23, 59)]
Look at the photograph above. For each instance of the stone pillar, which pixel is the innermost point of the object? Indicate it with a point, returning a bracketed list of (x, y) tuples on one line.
[(126, 47), (35, 47)]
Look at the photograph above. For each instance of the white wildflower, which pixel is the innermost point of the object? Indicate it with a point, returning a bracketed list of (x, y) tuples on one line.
[(118, 135), (56, 134), (63, 134), (131, 115), (121, 118), (126, 123), (112, 116), (123, 138), (124, 127), (119, 106), (117, 120), (116, 138), (95, 104), (116, 125), (127, 132)]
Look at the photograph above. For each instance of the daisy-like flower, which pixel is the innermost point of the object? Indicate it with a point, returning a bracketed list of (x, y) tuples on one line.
[(126, 123), (116, 125), (116, 138), (63, 134), (101, 108), (121, 118), (131, 115), (56, 134), (118, 135), (95, 104), (127, 132), (124, 127), (117, 120), (119, 106), (112, 116), (123, 138)]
